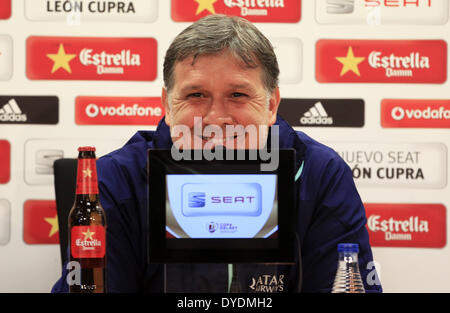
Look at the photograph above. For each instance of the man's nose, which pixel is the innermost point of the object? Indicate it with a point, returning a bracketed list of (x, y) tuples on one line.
[(218, 113)]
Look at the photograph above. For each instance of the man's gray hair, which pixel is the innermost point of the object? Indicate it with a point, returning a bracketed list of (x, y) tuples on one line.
[(216, 33)]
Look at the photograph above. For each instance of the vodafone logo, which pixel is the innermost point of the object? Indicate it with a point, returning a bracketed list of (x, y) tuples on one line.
[(415, 113), (92, 110), (398, 113), (118, 110)]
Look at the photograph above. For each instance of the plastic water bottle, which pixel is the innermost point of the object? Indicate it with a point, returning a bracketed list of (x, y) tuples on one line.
[(348, 279)]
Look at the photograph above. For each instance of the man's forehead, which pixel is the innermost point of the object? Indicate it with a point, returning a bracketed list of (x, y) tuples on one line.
[(192, 59), (190, 65)]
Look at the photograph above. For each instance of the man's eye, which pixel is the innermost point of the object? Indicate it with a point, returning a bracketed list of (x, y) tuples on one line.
[(237, 95), (195, 95)]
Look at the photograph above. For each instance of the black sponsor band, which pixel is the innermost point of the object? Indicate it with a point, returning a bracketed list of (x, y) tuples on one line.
[(29, 110), (323, 112)]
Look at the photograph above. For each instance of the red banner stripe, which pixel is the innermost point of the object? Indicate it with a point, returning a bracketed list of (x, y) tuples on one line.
[(91, 58), (272, 11), (381, 61), (406, 225)]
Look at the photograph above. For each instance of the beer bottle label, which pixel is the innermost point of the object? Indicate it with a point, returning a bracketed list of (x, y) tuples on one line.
[(87, 177), (88, 241)]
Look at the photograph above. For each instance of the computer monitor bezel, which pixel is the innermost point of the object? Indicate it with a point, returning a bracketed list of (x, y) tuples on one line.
[(161, 249)]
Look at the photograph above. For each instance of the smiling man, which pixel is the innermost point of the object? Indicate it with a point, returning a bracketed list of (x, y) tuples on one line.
[(221, 89)]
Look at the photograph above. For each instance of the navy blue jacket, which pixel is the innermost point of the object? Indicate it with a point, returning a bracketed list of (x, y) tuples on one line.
[(330, 211)]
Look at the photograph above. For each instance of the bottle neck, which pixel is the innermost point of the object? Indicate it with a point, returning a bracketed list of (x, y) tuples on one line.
[(87, 174), (90, 197)]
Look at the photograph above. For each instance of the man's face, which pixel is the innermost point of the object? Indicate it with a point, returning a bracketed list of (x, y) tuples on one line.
[(219, 90)]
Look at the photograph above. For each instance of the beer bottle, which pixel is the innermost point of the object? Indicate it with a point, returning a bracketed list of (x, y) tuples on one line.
[(87, 228)]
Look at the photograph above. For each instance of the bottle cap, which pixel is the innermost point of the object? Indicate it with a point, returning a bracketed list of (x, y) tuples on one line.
[(348, 247), (80, 149)]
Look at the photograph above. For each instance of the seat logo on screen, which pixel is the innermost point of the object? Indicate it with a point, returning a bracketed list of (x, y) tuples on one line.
[(196, 199), (221, 199)]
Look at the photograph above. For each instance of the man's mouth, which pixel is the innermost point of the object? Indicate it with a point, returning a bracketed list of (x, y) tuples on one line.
[(218, 140)]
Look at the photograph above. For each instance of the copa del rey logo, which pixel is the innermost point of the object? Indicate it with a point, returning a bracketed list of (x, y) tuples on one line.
[(274, 11), (381, 61), (406, 225), (90, 58)]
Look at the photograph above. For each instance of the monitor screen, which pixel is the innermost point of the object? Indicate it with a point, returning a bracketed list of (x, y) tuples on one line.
[(220, 211), (221, 206)]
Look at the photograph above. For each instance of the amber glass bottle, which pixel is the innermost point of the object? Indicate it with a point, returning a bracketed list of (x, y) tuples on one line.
[(87, 228)]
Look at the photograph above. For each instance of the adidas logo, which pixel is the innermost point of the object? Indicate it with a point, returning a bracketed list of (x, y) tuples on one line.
[(10, 112), (316, 115)]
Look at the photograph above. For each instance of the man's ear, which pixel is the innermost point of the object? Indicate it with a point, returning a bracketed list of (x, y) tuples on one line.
[(274, 103), (165, 103)]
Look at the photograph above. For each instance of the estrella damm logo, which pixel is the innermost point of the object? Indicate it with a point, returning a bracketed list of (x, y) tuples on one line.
[(272, 11), (381, 61), (90, 58)]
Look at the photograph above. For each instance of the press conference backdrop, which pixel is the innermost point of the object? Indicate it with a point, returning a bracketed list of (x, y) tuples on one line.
[(367, 77)]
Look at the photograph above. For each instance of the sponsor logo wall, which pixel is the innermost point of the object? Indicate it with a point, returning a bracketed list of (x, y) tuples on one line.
[(369, 78)]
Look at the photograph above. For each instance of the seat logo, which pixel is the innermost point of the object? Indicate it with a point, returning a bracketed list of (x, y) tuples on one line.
[(196, 199)]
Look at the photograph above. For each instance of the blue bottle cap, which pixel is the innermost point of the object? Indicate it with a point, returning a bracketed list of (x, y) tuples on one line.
[(348, 247)]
